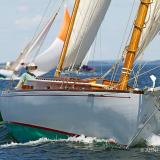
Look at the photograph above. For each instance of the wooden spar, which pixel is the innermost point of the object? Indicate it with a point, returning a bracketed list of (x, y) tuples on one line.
[(66, 43), (133, 45)]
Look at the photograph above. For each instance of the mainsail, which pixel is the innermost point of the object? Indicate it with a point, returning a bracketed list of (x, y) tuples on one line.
[(152, 27), (48, 60), (88, 20)]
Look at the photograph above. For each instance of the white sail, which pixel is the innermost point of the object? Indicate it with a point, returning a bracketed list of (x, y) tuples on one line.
[(49, 58), (152, 27), (88, 20)]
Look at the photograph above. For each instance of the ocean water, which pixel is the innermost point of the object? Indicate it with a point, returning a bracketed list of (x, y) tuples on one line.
[(81, 148)]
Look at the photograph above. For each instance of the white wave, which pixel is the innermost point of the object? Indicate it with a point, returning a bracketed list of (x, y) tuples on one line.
[(153, 140), (30, 143), (87, 140), (80, 139)]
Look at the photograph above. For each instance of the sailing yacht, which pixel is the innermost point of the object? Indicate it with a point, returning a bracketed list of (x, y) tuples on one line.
[(62, 107)]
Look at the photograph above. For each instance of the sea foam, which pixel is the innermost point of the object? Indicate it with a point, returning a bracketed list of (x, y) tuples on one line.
[(153, 140), (30, 143), (81, 139)]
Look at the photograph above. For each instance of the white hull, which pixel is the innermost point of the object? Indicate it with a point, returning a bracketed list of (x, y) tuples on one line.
[(97, 114)]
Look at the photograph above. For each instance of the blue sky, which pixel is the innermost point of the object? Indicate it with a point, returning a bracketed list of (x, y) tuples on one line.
[(20, 18)]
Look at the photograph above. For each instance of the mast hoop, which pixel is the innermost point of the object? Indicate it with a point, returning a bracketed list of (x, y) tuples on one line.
[(126, 71), (139, 26), (146, 2), (132, 51)]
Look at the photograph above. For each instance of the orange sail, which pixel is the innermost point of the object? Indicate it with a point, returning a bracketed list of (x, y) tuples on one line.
[(64, 27)]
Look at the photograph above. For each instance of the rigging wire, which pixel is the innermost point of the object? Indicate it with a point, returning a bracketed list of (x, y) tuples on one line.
[(146, 72), (39, 25), (86, 28), (70, 69), (81, 41), (94, 48), (42, 19), (30, 47), (139, 66), (138, 72), (119, 60), (139, 50), (100, 45), (42, 42)]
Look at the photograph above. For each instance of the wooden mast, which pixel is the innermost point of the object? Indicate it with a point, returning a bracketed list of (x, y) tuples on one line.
[(133, 45), (66, 43)]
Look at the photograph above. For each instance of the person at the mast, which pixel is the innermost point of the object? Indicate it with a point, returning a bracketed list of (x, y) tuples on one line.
[(28, 75)]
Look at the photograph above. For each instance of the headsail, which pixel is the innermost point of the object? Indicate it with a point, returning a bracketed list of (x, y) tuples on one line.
[(152, 27), (50, 57), (88, 20)]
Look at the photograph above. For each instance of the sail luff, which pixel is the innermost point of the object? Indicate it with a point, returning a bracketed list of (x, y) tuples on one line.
[(66, 43), (133, 45)]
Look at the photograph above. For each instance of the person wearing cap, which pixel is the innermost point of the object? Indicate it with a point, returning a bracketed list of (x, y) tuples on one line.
[(28, 75)]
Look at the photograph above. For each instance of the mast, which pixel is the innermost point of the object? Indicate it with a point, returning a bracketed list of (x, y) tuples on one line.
[(66, 43), (134, 42)]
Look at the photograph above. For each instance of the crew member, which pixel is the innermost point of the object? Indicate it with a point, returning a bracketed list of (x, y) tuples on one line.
[(28, 75)]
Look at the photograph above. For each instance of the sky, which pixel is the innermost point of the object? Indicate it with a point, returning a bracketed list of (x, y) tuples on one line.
[(19, 20)]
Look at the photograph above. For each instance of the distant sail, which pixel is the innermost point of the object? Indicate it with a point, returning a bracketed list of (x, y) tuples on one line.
[(152, 27), (49, 58), (88, 20), (26, 54)]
